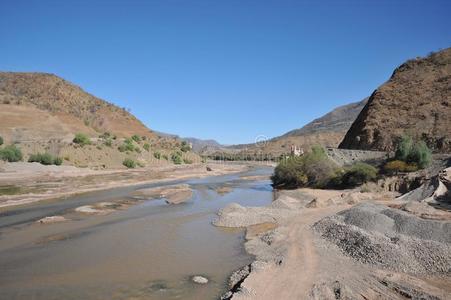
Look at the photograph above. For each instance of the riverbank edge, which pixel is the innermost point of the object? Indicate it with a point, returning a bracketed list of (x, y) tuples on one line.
[(32, 198)]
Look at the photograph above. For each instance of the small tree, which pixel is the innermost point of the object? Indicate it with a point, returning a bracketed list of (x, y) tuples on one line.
[(404, 148), (420, 154), (146, 147), (157, 155), (1, 141)]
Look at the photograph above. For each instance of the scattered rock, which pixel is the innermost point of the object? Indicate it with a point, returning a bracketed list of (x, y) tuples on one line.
[(209, 169), (199, 279), (101, 208), (173, 194), (223, 190), (52, 219)]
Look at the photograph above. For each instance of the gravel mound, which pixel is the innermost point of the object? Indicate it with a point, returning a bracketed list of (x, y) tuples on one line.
[(377, 235)]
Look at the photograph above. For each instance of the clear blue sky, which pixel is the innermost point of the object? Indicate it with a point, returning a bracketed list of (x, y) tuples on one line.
[(229, 70)]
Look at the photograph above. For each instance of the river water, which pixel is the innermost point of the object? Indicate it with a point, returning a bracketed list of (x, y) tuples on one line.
[(148, 251)]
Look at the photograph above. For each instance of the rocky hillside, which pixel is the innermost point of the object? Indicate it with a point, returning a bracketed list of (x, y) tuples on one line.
[(416, 100), (55, 108)]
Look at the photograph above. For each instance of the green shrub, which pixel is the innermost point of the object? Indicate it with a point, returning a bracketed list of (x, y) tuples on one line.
[(358, 174), (137, 149), (157, 155), (136, 138), (146, 147), (129, 163), (187, 161), (420, 154), (289, 173), (404, 148), (396, 166), (81, 139), (58, 161), (42, 158), (185, 147), (412, 153), (128, 141), (176, 159), (1, 141), (126, 146), (11, 153), (45, 159), (312, 169), (108, 142)]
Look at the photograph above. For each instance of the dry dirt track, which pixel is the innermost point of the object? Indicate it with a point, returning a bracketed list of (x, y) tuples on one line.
[(296, 275)]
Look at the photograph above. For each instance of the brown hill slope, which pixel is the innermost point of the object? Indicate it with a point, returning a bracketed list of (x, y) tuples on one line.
[(416, 100), (66, 108)]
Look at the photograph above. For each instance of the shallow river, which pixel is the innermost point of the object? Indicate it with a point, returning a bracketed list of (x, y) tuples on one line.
[(148, 251)]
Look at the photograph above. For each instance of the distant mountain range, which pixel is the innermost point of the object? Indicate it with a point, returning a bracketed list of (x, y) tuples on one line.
[(327, 130)]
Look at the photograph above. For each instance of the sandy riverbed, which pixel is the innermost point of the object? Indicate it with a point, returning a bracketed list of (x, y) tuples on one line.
[(31, 182)]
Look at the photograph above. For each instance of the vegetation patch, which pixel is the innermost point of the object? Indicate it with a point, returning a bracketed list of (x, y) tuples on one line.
[(410, 156), (129, 163), (11, 153), (313, 169), (358, 174), (1, 141), (45, 159), (127, 146), (176, 158), (185, 147), (81, 139)]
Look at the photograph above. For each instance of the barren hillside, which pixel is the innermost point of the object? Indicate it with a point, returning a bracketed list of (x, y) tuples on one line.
[(42, 106), (416, 100)]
